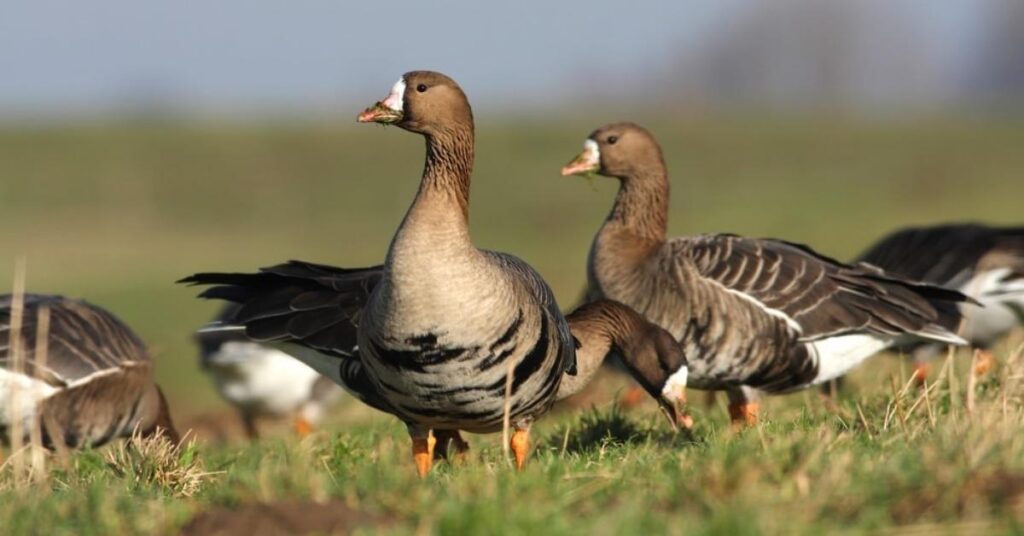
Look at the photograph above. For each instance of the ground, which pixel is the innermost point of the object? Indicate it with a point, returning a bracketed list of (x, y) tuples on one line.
[(116, 212)]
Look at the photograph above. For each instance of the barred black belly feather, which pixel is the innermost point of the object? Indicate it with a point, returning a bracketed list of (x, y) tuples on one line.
[(464, 387)]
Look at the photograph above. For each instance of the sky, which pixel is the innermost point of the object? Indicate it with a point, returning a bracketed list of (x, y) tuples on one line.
[(66, 56)]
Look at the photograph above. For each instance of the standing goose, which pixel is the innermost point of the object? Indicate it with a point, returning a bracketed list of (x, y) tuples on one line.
[(985, 263), (317, 308), (445, 322), (753, 315), (262, 381), (96, 383)]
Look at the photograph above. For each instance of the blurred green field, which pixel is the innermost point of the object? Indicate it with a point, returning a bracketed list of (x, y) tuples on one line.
[(117, 212)]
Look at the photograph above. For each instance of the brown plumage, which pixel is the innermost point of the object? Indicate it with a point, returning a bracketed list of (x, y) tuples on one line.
[(751, 314), (443, 322), (97, 382)]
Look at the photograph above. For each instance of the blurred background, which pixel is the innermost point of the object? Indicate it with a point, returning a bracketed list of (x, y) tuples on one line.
[(144, 141)]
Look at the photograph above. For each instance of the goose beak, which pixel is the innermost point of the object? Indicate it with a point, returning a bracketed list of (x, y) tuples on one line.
[(380, 113), (675, 411), (589, 161), (387, 111), (673, 400)]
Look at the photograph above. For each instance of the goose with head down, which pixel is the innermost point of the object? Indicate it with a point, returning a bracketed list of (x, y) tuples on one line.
[(86, 378), (753, 315), (443, 335), (984, 262), (262, 381)]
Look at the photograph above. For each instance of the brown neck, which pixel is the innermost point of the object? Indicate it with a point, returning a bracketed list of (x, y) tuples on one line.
[(641, 206), (600, 327), (449, 165)]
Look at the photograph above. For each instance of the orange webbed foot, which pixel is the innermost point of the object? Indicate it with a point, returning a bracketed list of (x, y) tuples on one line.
[(520, 444), (744, 413), (423, 453)]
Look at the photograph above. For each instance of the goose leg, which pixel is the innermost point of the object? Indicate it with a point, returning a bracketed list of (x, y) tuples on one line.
[(633, 397), (520, 444), (743, 409), (423, 443), (302, 426), (709, 399), (984, 361), (453, 439), (921, 370), (249, 426)]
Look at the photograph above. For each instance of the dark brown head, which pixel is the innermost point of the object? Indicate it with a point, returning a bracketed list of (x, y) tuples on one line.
[(657, 362), (425, 102), (621, 150)]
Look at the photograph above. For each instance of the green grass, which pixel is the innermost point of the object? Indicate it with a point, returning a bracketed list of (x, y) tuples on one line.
[(885, 458), (115, 213)]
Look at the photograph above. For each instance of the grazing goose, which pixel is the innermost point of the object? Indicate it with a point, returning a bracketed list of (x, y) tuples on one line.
[(93, 383), (753, 315), (985, 263), (262, 381), (445, 323), (598, 328)]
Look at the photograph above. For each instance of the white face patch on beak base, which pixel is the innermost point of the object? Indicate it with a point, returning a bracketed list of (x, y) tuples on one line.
[(675, 386), (396, 99), (591, 152)]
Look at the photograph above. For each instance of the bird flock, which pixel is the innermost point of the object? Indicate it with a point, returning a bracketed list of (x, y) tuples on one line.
[(449, 338)]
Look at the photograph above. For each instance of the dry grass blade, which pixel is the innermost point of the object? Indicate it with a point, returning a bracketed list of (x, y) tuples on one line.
[(506, 419), (154, 461), (40, 357), (17, 369)]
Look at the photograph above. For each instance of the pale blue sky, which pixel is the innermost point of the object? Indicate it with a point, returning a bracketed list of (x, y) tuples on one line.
[(66, 55)]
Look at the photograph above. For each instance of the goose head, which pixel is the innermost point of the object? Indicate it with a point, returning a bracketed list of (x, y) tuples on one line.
[(425, 102), (620, 150), (657, 362)]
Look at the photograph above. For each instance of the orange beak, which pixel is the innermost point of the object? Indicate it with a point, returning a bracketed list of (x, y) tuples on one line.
[(589, 161)]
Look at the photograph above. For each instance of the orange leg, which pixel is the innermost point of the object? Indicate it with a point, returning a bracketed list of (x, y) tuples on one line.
[(921, 370), (423, 453), (633, 397), (520, 444), (744, 413), (984, 361), (302, 427)]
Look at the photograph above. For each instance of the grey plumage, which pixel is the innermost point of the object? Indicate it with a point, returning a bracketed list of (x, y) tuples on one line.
[(97, 381), (984, 262), (442, 324), (755, 313)]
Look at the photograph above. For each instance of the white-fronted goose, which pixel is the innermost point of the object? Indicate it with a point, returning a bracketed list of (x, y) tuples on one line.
[(446, 322), (96, 382), (985, 263), (262, 381), (753, 315)]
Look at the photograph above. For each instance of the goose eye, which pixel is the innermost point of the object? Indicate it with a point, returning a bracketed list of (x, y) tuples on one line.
[(421, 88), (612, 140)]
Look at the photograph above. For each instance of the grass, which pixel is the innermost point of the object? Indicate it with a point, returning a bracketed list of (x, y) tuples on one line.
[(116, 212), (889, 457)]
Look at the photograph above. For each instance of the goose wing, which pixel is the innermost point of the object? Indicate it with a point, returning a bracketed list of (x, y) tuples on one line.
[(949, 254), (82, 340), (541, 292), (311, 305), (818, 296)]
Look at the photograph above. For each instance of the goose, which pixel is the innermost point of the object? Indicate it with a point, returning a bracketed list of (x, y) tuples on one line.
[(599, 328), (754, 316), (93, 383), (445, 323), (983, 262), (262, 381)]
